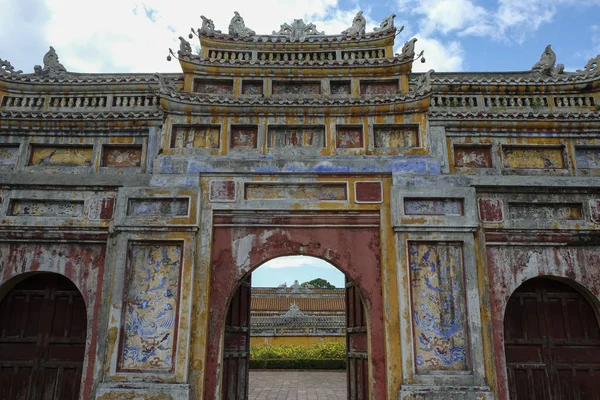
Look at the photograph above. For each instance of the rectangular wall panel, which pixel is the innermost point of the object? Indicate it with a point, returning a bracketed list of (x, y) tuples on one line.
[(438, 307), (150, 304)]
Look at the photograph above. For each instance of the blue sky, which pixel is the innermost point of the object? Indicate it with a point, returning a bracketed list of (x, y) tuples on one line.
[(457, 35), (301, 268)]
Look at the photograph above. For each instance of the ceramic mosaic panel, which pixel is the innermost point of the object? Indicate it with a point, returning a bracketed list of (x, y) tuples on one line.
[(168, 207), (196, 136), (122, 156), (8, 155), (301, 191), (340, 88), (244, 136), (296, 87), (548, 211), (530, 157), (396, 136), (349, 137), (490, 210), (296, 136), (586, 159), (379, 87), (433, 206), (473, 156), (46, 208), (222, 191), (61, 156), (150, 306), (439, 307), (252, 87), (213, 86)]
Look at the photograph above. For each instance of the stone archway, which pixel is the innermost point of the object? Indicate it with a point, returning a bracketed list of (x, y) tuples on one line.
[(241, 244), (551, 342), (43, 324)]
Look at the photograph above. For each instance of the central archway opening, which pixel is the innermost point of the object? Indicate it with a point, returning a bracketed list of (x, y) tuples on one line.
[(306, 333)]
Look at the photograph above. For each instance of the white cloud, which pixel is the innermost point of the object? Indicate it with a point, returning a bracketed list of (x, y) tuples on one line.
[(440, 56), (296, 262)]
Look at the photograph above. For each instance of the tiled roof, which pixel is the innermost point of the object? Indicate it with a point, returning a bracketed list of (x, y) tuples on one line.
[(306, 304)]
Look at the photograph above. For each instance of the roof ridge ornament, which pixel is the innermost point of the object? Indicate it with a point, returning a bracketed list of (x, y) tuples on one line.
[(237, 27), (298, 30), (358, 28), (387, 24), (6, 69), (423, 84), (52, 67), (166, 85), (592, 66), (208, 28), (546, 64)]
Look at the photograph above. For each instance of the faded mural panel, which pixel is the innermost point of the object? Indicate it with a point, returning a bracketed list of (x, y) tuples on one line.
[(439, 307), (150, 307)]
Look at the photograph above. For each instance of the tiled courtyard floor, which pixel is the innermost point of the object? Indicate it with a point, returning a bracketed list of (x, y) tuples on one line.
[(297, 385)]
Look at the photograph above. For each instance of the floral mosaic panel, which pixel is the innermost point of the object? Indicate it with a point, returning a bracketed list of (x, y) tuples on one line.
[(433, 206), (439, 307), (9, 155), (349, 137), (196, 137), (61, 156), (379, 87), (252, 87), (213, 86), (296, 87), (533, 157), (308, 191), (244, 136), (587, 159), (339, 88), (296, 136), (473, 156), (169, 207), (46, 208), (150, 307), (396, 136), (122, 157), (547, 212)]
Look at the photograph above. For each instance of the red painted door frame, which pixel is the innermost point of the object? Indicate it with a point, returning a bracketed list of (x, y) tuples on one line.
[(242, 242)]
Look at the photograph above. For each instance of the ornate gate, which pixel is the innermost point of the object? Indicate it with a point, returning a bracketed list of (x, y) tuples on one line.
[(552, 343), (357, 345), (236, 352), (42, 339)]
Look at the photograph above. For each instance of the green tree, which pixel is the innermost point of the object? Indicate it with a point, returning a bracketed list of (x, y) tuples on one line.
[(318, 283)]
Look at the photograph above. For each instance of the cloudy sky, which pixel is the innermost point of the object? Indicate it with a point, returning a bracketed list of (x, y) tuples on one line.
[(457, 35), (301, 268)]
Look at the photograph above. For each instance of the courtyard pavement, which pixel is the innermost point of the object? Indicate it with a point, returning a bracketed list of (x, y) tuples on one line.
[(297, 385)]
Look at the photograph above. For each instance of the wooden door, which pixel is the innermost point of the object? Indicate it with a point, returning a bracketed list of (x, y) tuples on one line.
[(357, 360), (42, 339), (552, 343), (236, 354)]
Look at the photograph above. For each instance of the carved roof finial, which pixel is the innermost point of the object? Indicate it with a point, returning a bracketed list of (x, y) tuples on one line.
[(237, 27), (208, 27), (546, 64), (52, 67), (298, 30), (423, 84), (592, 66), (386, 24), (166, 85), (358, 27), (184, 47), (6, 69)]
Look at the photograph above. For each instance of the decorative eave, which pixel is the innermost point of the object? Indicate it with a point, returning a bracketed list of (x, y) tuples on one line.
[(542, 121), (399, 65), (86, 116), (283, 43), (185, 103)]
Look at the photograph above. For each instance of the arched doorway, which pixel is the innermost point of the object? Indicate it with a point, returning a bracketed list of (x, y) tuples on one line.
[(551, 342), (42, 339), (237, 332)]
